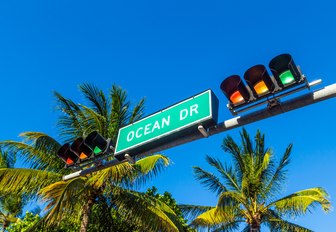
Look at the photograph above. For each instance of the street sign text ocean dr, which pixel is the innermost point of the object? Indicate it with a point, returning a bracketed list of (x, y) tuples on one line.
[(166, 125)]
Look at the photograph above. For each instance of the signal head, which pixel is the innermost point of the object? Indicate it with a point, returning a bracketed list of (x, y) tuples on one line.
[(284, 70), (235, 90), (96, 142), (259, 80), (80, 149), (67, 155)]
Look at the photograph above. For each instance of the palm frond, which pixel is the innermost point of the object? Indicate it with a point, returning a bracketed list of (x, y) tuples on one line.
[(246, 142), (96, 97), (192, 211), (227, 173), (7, 160), (72, 121), (111, 176), (35, 157), (137, 111), (149, 167), (229, 145), (21, 181), (64, 198), (278, 224), (275, 183), (209, 180), (149, 212), (215, 217), (302, 201), (94, 122), (119, 115)]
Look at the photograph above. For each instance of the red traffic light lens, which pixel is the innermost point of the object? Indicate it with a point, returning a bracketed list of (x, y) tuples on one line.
[(235, 90), (67, 155), (236, 98)]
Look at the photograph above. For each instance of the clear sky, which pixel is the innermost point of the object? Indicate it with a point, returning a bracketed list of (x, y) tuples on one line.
[(167, 51)]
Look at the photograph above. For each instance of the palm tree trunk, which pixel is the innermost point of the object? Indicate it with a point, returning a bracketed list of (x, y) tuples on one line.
[(86, 215), (255, 228)]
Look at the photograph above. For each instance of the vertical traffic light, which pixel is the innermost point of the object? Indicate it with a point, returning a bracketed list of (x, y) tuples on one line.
[(284, 70), (96, 142), (235, 90), (67, 155), (80, 149), (259, 80)]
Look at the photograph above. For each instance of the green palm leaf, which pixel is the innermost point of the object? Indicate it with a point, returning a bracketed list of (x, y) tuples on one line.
[(64, 198), (249, 189), (150, 213), (21, 181), (300, 202), (209, 180)]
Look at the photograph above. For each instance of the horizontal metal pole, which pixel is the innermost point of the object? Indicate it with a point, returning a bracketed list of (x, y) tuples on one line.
[(289, 105)]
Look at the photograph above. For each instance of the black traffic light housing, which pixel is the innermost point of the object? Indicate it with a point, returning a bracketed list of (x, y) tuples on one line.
[(259, 81), (67, 155), (83, 149), (260, 85), (235, 90), (285, 71), (96, 143)]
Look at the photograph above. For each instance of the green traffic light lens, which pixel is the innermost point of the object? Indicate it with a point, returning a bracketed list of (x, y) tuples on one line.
[(287, 77), (97, 150)]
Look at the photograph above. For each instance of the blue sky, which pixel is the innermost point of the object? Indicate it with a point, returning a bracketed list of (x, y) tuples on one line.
[(167, 51)]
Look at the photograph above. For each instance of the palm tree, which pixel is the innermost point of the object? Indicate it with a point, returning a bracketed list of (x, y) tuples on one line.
[(10, 205), (248, 190), (76, 198)]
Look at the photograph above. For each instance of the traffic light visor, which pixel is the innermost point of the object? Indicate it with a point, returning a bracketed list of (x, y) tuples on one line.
[(235, 90), (259, 80), (284, 70), (67, 155), (80, 149), (96, 142)]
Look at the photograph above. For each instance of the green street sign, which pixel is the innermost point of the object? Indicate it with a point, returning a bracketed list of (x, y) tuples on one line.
[(168, 124)]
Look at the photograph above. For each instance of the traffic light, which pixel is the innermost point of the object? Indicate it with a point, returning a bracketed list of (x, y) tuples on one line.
[(235, 90), (84, 148), (96, 142), (259, 80), (67, 155), (260, 84), (81, 149), (284, 70)]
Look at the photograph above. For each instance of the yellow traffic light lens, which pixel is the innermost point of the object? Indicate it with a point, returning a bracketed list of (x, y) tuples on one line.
[(261, 88), (287, 77), (83, 156), (236, 97)]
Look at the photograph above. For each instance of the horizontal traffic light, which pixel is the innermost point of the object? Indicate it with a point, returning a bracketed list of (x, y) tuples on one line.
[(84, 148), (259, 84)]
